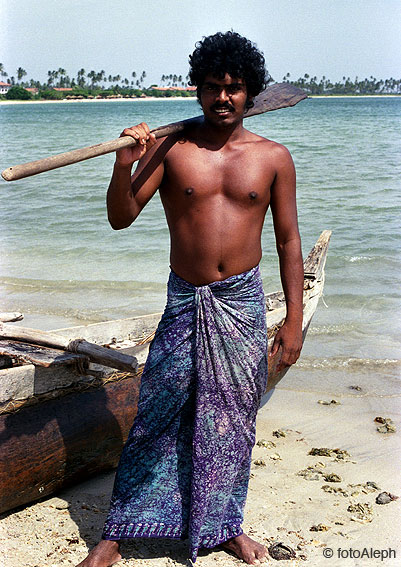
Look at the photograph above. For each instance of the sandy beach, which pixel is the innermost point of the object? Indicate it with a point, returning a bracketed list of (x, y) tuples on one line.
[(171, 98), (307, 512)]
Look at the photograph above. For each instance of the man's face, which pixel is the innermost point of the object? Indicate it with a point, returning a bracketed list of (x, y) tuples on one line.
[(223, 100)]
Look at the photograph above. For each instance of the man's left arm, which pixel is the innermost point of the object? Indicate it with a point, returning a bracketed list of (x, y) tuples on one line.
[(288, 243)]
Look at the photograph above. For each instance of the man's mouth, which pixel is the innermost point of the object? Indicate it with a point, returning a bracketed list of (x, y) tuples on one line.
[(222, 109)]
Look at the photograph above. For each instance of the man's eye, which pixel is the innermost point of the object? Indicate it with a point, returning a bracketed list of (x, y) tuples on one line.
[(230, 89)]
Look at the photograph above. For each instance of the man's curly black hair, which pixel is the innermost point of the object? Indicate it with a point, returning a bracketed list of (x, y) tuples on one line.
[(230, 53)]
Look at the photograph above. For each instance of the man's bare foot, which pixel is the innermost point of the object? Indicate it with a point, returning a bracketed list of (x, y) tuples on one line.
[(105, 554), (246, 549)]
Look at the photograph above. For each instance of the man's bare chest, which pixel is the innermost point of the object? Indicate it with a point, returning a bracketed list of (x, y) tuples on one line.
[(204, 173)]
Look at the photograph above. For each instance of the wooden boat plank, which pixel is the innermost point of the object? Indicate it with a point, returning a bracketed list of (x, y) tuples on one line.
[(316, 259), (29, 381), (110, 332), (39, 355), (96, 353), (10, 317)]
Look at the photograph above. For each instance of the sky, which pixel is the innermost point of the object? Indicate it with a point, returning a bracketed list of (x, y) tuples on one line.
[(334, 38)]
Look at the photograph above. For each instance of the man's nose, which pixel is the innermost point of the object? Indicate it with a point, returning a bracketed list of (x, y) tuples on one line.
[(223, 95)]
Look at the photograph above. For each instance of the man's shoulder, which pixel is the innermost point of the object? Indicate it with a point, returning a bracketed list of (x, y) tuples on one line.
[(266, 146)]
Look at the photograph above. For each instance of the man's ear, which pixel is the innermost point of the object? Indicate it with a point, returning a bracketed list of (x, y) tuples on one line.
[(249, 102)]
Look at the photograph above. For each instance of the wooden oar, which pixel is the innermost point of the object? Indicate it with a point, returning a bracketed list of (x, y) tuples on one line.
[(95, 353), (280, 95)]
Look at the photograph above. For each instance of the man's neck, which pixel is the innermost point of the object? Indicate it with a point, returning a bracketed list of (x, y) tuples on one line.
[(220, 135)]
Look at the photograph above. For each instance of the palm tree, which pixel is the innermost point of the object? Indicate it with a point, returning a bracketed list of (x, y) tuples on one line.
[(2, 71), (21, 73), (101, 76), (50, 78), (81, 77), (92, 75), (62, 77)]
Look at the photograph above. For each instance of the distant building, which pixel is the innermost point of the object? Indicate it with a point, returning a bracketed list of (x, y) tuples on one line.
[(4, 87), (32, 90), (174, 88), (62, 89)]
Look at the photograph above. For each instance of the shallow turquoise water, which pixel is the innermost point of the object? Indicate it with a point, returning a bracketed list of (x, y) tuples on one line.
[(62, 264)]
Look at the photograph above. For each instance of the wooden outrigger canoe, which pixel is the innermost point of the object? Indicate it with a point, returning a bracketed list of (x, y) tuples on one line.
[(64, 418)]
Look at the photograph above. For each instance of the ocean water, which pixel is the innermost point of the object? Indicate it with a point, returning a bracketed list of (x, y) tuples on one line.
[(61, 264)]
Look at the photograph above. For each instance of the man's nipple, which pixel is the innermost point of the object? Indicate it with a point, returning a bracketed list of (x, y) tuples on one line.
[(189, 190), (253, 195)]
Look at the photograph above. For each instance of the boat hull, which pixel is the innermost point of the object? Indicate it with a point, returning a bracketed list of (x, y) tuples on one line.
[(48, 446)]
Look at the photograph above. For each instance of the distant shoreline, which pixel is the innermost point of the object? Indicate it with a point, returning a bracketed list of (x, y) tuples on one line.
[(69, 101), (152, 98), (357, 96)]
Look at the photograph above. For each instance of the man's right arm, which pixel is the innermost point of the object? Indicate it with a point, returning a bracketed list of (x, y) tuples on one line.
[(127, 195)]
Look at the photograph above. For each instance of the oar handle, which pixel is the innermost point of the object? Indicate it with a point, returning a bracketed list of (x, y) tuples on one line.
[(74, 156), (279, 95)]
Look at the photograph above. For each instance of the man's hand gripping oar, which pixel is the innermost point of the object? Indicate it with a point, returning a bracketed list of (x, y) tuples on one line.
[(280, 95)]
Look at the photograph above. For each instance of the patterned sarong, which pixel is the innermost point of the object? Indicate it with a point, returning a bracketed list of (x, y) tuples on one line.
[(185, 468)]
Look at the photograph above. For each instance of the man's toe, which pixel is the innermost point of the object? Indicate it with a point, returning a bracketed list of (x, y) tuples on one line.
[(261, 555)]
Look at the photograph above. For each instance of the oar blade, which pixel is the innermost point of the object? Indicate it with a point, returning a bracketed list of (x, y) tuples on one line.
[(279, 95)]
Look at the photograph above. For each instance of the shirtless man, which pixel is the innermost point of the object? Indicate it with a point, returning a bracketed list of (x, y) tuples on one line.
[(216, 184)]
